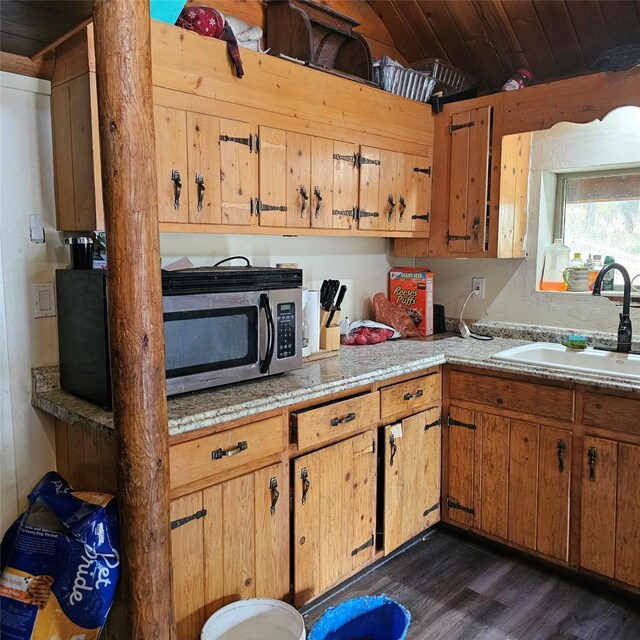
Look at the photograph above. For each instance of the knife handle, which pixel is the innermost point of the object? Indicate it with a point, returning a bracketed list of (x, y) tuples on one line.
[(343, 290), (330, 318)]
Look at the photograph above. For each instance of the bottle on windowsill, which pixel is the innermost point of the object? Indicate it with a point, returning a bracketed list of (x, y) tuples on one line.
[(556, 259)]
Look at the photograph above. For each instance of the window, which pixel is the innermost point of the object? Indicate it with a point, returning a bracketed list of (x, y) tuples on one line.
[(599, 213)]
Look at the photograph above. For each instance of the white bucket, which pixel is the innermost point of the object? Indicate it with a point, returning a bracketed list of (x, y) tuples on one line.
[(255, 619)]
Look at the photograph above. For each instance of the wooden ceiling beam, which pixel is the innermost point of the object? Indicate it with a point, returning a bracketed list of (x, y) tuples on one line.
[(127, 143), (395, 23)]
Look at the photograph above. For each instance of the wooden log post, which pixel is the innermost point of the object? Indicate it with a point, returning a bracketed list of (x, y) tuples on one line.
[(127, 143)]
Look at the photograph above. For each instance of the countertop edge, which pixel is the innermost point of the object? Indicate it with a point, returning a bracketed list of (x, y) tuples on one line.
[(68, 408)]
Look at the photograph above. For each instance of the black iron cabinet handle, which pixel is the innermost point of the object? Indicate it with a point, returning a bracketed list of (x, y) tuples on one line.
[(177, 185), (275, 494), (318, 195), (394, 449), (305, 198), (200, 187), (592, 456), (562, 445), (306, 484)]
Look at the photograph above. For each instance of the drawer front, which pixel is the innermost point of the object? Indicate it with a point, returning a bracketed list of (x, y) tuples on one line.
[(406, 398), (501, 393), (225, 451), (311, 427), (612, 412)]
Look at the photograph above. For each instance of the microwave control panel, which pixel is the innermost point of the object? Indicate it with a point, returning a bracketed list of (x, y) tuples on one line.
[(286, 324)]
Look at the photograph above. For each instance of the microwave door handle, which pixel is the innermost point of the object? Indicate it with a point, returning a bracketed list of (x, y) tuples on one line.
[(271, 329)]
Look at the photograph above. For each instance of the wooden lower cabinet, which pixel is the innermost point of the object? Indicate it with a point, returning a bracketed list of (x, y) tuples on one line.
[(229, 542), (610, 509), (511, 479), (411, 477), (333, 514)]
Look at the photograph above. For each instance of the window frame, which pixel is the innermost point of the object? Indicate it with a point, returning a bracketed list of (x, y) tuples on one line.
[(559, 214)]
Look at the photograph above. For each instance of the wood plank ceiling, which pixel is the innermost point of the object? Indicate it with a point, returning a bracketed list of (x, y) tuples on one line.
[(490, 39)]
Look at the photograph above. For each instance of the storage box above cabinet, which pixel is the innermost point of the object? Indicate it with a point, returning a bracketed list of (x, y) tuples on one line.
[(317, 34)]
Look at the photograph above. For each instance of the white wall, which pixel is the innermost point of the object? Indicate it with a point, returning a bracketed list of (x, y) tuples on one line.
[(511, 294), (361, 264), (26, 187)]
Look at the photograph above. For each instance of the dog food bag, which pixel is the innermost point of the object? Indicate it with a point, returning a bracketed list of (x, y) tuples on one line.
[(412, 288), (60, 564)]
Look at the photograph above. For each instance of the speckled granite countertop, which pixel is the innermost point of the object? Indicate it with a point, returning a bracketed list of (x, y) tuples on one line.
[(353, 367)]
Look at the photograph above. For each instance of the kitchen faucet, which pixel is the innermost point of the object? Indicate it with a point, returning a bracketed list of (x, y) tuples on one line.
[(624, 327)]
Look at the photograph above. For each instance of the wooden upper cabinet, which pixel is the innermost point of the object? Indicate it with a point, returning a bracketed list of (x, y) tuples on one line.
[(171, 164), (76, 153), (188, 166), (272, 178), (345, 185), (469, 179), (203, 163), (321, 214), (299, 189), (238, 172), (369, 212)]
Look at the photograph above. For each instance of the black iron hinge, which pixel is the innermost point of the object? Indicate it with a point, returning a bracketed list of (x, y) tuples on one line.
[(450, 237), (424, 216), (452, 422), (435, 507), (351, 213), (246, 141), (361, 213), (261, 206), (352, 159), (454, 504), (435, 423), (427, 170), (363, 546), (362, 160), (180, 521), (455, 127)]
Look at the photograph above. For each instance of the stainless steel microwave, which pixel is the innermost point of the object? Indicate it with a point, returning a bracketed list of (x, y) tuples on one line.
[(221, 325)]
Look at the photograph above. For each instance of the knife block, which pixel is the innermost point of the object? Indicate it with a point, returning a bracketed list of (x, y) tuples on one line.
[(329, 336)]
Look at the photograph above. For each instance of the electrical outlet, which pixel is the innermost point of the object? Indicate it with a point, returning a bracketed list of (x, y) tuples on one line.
[(477, 284)]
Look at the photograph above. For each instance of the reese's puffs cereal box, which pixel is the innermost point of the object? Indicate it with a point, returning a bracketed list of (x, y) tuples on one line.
[(412, 288)]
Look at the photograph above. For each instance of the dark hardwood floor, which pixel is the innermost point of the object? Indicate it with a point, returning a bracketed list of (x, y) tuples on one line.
[(457, 588)]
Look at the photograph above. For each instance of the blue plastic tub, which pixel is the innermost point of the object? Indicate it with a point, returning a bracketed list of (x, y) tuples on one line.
[(368, 617)]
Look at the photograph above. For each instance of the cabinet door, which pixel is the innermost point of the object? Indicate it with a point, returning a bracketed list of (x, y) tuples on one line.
[(238, 172), (411, 477), (461, 464), (272, 161), (598, 511), (203, 161), (188, 565), (494, 474), (368, 193), (627, 567), (229, 542), (387, 190), (523, 483), (420, 197), (469, 179), (334, 507), (345, 185), (554, 480), (322, 181), (298, 173), (171, 164)]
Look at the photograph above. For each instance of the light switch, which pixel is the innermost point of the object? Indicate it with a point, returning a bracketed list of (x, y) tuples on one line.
[(44, 304)]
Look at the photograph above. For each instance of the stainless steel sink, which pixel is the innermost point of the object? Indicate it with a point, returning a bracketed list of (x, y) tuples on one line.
[(556, 356)]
